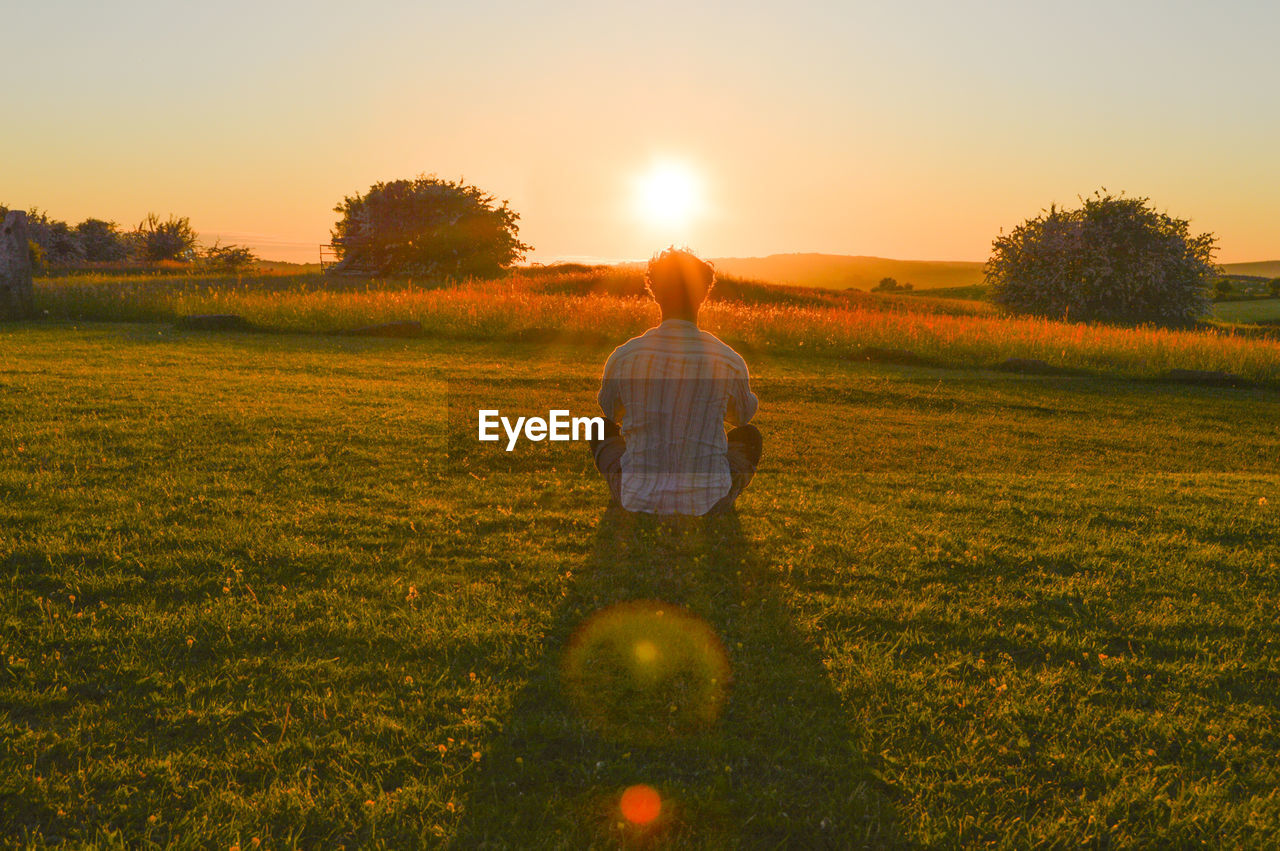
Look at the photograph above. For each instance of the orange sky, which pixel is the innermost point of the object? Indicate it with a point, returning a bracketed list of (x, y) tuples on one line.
[(910, 132)]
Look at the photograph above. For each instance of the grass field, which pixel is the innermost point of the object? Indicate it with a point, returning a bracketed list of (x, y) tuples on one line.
[(266, 591), (606, 306), (1253, 310), (839, 271)]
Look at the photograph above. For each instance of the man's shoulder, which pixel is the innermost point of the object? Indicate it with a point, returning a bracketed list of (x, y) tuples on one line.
[(656, 341), (724, 350), (630, 347)]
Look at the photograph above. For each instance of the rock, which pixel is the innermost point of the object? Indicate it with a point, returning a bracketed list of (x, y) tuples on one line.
[(215, 322), (902, 357), (1205, 378), (15, 268), (550, 336), (403, 328), (1033, 366), (536, 335)]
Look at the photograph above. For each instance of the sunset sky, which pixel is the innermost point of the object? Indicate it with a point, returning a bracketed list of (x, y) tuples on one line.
[(907, 130)]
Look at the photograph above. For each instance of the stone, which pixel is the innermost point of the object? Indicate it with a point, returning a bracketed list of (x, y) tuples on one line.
[(551, 336), (1034, 366), (15, 268), (215, 322), (403, 328), (1205, 378), (899, 357)]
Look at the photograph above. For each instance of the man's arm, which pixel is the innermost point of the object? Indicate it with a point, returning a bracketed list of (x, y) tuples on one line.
[(742, 402), (610, 397)]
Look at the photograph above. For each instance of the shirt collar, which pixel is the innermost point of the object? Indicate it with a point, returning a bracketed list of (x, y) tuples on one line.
[(679, 323)]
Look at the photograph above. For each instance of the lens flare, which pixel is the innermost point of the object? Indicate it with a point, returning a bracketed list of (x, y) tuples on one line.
[(646, 652), (646, 672), (641, 804)]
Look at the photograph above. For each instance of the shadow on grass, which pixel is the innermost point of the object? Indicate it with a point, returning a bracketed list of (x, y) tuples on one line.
[(777, 768)]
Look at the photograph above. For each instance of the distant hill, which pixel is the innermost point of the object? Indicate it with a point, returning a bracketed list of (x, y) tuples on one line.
[(841, 271), (1264, 269)]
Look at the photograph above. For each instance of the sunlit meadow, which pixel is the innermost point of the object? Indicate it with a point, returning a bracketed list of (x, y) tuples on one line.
[(267, 591), (602, 305)]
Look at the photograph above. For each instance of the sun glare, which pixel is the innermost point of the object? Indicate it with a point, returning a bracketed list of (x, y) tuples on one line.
[(669, 194)]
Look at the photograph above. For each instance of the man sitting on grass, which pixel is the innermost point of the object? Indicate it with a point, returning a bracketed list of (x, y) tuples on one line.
[(666, 396)]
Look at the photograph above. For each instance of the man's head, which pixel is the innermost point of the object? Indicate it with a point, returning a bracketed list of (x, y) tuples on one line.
[(679, 282)]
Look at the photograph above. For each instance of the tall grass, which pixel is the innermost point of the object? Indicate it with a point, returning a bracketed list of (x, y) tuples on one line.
[(979, 340), (605, 305)]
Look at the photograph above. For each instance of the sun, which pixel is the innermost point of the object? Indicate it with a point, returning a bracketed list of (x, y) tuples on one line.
[(669, 194)]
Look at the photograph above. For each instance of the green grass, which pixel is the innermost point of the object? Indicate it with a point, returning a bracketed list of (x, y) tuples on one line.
[(974, 292), (247, 594), (604, 305), (1249, 286), (1247, 312)]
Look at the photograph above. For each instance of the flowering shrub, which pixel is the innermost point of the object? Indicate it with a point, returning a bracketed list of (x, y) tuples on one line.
[(1114, 259)]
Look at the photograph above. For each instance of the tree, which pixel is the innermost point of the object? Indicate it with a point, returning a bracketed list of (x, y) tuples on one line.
[(427, 226), (228, 258), (891, 285), (101, 241), (154, 240), (1222, 288), (1113, 259), (36, 254), (56, 239), (1274, 286)]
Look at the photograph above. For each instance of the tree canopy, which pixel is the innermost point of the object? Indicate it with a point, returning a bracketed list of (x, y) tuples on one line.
[(426, 226), (891, 285), (56, 244), (101, 241), (1112, 259), (172, 239)]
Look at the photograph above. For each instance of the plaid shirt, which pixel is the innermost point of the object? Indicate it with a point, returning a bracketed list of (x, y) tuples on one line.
[(671, 390)]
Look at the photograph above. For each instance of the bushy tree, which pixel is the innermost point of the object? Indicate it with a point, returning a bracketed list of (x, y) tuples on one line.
[(426, 226), (1274, 286), (227, 258), (891, 285), (1222, 288), (36, 254), (1113, 259), (57, 240), (101, 241), (154, 240)]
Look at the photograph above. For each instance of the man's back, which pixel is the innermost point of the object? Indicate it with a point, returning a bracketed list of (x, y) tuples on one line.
[(672, 389)]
